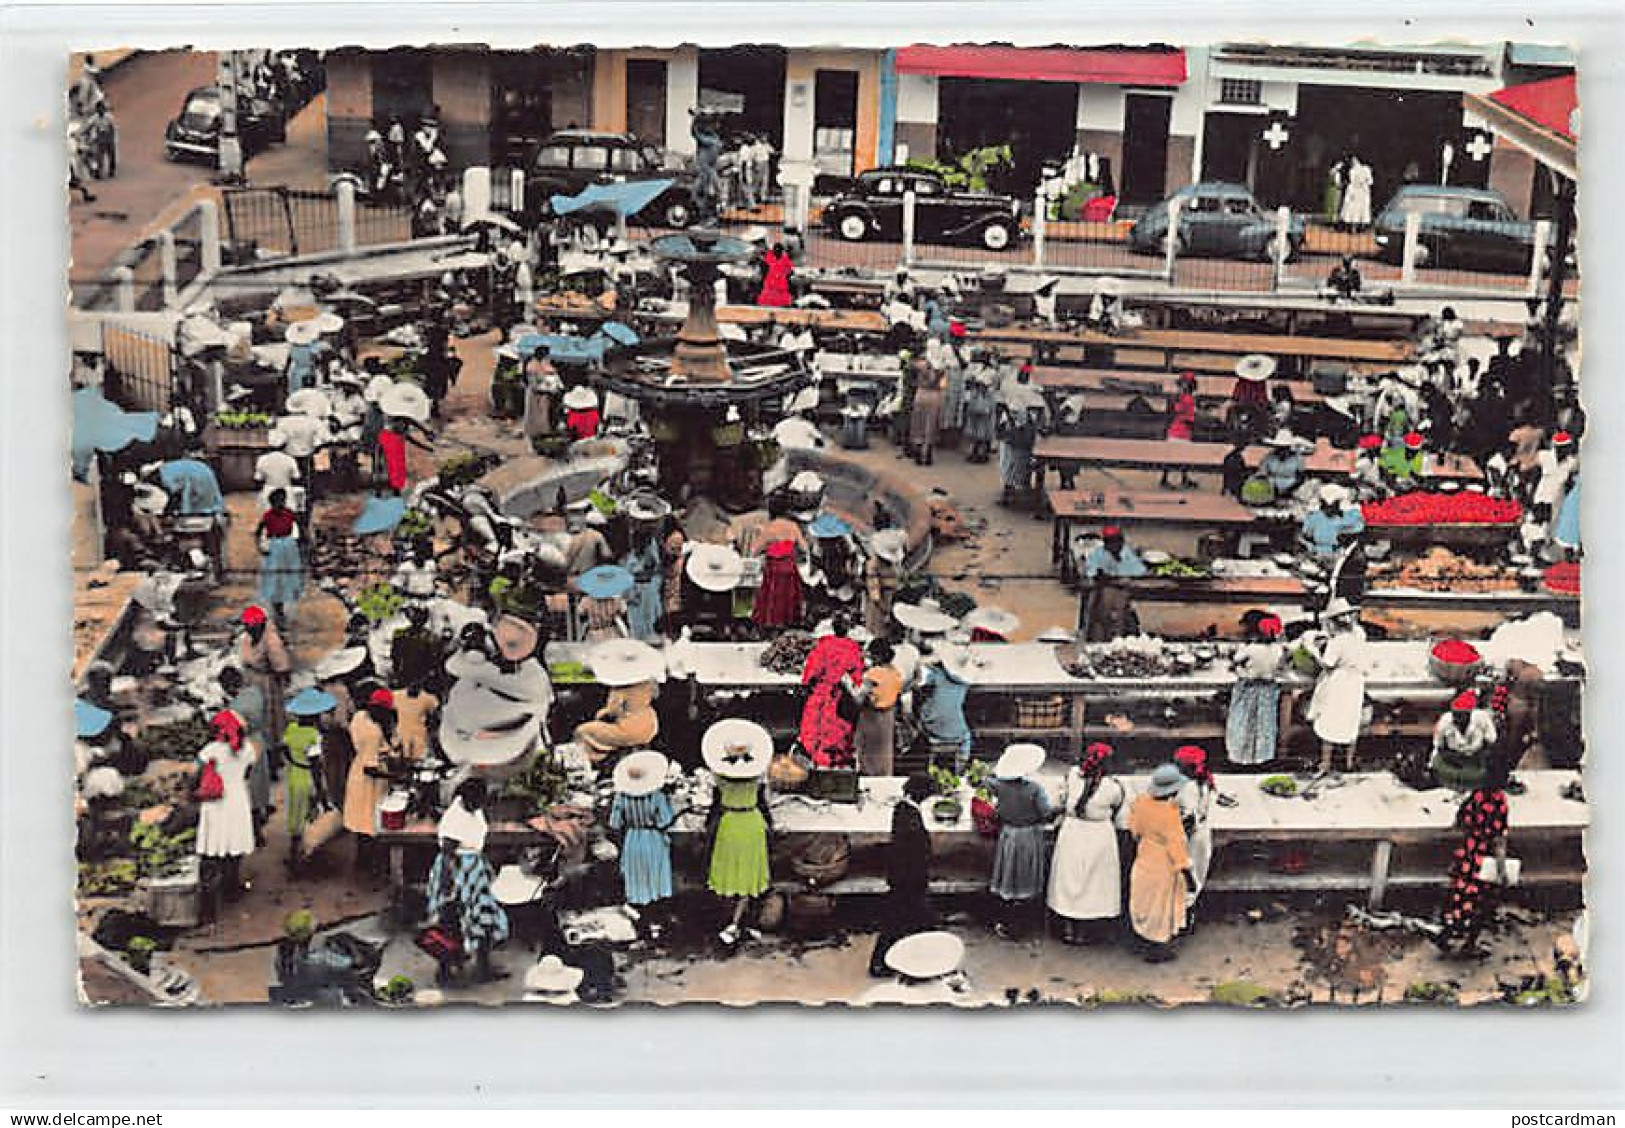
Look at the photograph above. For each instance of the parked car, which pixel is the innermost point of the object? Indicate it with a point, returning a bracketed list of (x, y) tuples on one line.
[(194, 133), (873, 209), (569, 160), (1462, 227), (1217, 219)]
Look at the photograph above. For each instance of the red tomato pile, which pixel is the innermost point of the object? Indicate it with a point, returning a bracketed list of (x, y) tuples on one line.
[(1421, 508), (1563, 578), (1456, 652)]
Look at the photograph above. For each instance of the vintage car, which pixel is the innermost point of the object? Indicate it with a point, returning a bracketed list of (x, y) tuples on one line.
[(1216, 219), (570, 160), (873, 209), (1461, 227), (194, 133)]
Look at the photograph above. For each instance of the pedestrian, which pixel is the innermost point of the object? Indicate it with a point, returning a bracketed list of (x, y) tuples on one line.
[(1086, 875), (265, 661), (103, 143), (642, 813), (1195, 801), (882, 574), (1355, 212), (1482, 820), (906, 908), (392, 443), (1181, 426), (372, 732), (643, 561), (737, 753), (415, 710), (1107, 612), (225, 827), (282, 565), (1019, 856), (980, 410), (1161, 879), (1253, 721), (1336, 709), (305, 791), (459, 894), (925, 417), (777, 268), (248, 703), (780, 599), (874, 738), (826, 728)]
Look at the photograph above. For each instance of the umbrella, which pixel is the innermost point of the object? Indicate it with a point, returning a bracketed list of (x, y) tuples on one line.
[(89, 719), (379, 515), (622, 200), (101, 425), (606, 581), (407, 400), (309, 401), (492, 219), (619, 333)]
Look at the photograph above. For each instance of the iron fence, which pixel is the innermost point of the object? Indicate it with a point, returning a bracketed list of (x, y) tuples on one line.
[(279, 222), (188, 235), (140, 374)]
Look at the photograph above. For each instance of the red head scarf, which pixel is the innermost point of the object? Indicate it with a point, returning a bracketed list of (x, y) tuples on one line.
[(1370, 442), (1466, 701), (253, 616), (1414, 440), (1193, 759), (1270, 626), (382, 698), (228, 726), (1095, 757)]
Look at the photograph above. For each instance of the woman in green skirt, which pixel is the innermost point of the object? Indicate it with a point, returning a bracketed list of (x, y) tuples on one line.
[(737, 752), (301, 742)]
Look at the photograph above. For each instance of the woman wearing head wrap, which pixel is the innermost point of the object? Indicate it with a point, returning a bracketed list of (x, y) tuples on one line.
[(1161, 877), (460, 896), (282, 564), (1195, 802), (372, 731), (825, 735), (225, 827), (1252, 728), (1085, 877), (1463, 742)]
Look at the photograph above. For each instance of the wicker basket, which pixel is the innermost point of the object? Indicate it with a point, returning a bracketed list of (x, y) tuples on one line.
[(1452, 673), (824, 861), (1041, 712)]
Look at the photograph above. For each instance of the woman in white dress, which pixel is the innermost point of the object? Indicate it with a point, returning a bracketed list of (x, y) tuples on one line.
[(1195, 802), (225, 828), (1085, 878), (1357, 195), (1338, 704)]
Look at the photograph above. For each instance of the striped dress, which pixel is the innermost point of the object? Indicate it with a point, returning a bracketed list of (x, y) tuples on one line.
[(460, 896)]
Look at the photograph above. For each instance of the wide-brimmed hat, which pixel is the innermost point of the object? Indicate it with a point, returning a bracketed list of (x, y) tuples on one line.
[(406, 401), (309, 401), (513, 886), (302, 332), (1255, 367), (89, 720), (827, 526), (1411, 373), (311, 702), (890, 545), (1339, 606), (807, 482), (926, 616), (376, 387), (581, 398), (926, 955), (641, 773), (1166, 781), (714, 567), (341, 662), (606, 581), (1282, 438), (625, 661), (647, 507), (516, 639), (994, 620), (1332, 493), (552, 980), (328, 322), (1020, 760), (735, 748)]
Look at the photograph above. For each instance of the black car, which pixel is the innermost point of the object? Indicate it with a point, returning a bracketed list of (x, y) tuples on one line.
[(194, 133), (570, 160), (1461, 227), (873, 209)]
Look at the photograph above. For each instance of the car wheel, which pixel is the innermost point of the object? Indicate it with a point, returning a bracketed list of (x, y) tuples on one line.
[(998, 236), (677, 213), (852, 227)]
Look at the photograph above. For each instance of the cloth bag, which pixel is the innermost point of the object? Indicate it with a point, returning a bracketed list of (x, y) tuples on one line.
[(210, 786)]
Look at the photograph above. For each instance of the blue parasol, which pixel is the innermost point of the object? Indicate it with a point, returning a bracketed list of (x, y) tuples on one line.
[(606, 581), (379, 515), (620, 333), (101, 425), (89, 719), (624, 199)]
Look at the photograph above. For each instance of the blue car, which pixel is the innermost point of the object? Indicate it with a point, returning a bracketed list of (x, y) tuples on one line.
[(1218, 220), (1460, 227)]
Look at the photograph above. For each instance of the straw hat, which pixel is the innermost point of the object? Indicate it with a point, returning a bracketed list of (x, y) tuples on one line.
[(515, 638), (102, 782), (625, 661), (302, 333), (1166, 781), (309, 401), (311, 702), (641, 773), (553, 981), (1255, 367), (328, 322), (926, 616), (376, 387), (407, 400), (890, 545), (606, 581), (714, 567), (513, 886), (926, 955), (648, 507), (1333, 494), (735, 748), (1019, 760), (994, 620), (580, 398), (1339, 607), (1282, 438), (341, 662)]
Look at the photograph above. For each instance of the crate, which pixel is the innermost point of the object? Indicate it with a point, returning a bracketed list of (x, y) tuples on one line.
[(1041, 712)]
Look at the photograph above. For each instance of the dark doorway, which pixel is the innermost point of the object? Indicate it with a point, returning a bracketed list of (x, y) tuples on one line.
[(1038, 120), (751, 81), (835, 122), (1228, 147), (1399, 133), (646, 100), (1145, 147)]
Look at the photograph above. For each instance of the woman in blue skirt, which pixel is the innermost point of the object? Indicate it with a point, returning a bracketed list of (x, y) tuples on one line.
[(282, 565), (643, 814)]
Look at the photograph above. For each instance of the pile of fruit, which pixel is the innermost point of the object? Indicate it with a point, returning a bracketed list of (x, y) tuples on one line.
[(1468, 507), (1180, 568), (1439, 569), (787, 654), (241, 420), (1563, 578), (1133, 656)]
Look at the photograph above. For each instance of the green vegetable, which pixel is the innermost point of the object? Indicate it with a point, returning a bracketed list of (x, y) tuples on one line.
[(159, 854), (1257, 491), (1428, 991), (398, 989), (242, 420), (1180, 568), (570, 673), (1283, 786), (602, 502), (173, 740), (380, 602), (109, 878), (415, 525)]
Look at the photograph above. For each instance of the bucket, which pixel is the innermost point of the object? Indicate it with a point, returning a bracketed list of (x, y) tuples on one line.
[(392, 811)]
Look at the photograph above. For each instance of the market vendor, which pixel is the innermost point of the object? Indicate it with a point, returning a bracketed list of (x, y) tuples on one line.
[(1326, 528), (1106, 611), (939, 704), (1337, 708), (1253, 721), (882, 574), (1463, 741), (1284, 465), (1249, 395), (1366, 479), (631, 671), (826, 730), (1401, 458), (581, 412)]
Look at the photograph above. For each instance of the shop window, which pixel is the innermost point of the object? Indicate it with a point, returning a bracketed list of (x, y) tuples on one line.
[(1241, 91)]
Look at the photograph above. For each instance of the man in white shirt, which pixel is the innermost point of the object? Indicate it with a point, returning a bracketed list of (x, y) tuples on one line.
[(276, 469), (302, 436)]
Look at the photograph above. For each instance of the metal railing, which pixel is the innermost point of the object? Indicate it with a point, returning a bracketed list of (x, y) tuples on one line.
[(140, 374)]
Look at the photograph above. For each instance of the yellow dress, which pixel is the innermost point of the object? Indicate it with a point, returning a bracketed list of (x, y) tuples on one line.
[(412, 722), (1156, 887), (363, 792), (627, 720)]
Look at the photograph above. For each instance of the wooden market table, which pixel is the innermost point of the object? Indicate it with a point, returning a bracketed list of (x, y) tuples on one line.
[(1185, 510), (1294, 314), (1071, 452), (103, 610), (1211, 391)]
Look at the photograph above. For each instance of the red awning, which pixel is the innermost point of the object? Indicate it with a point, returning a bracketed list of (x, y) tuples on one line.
[(1046, 64), (1549, 103)]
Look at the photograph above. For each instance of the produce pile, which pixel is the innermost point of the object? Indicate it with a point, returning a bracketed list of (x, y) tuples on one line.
[(1468, 507), (1135, 656), (1439, 569), (172, 740), (1563, 578), (787, 654), (242, 420), (1181, 568)]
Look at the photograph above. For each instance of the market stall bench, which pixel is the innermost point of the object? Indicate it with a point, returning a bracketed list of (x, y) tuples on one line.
[(1192, 515), (1068, 454)]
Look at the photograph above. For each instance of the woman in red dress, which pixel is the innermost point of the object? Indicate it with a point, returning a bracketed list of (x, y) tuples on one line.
[(779, 600), (825, 735), (1482, 820), (1182, 425), (777, 269)]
